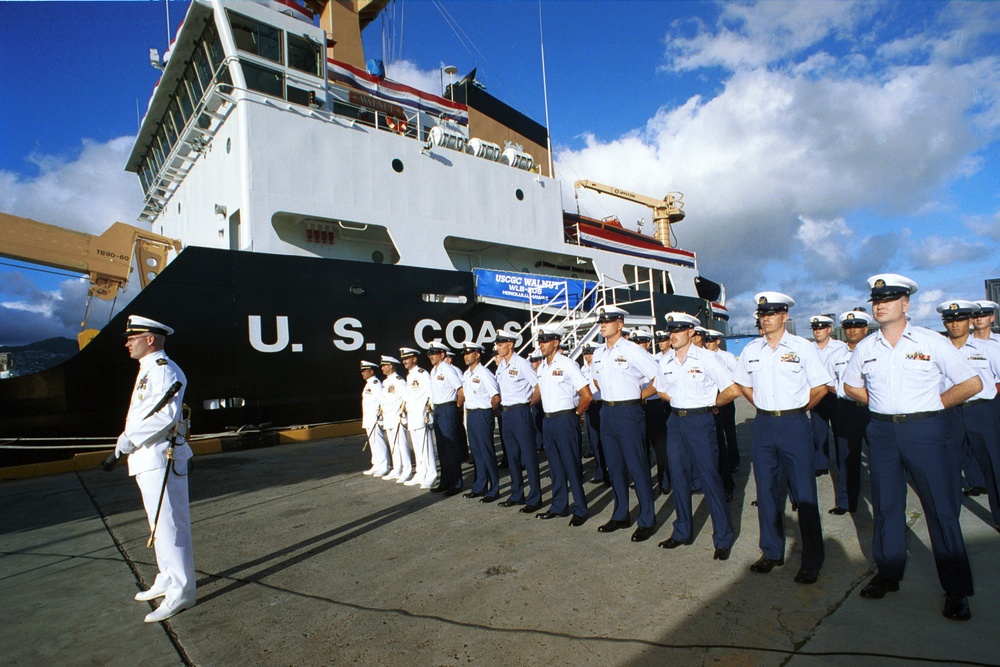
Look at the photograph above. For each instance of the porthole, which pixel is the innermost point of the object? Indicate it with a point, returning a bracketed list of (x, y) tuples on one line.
[(357, 290), (519, 194), (229, 145), (397, 166), (378, 257)]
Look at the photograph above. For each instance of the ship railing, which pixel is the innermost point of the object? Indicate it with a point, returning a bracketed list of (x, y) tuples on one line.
[(191, 142)]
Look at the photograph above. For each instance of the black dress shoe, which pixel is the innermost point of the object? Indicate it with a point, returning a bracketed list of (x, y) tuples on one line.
[(549, 515), (473, 494), (643, 533), (974, 491), (765, 565), (877, 587), (489, 499), (612, 526), (510, 503), (577, 520), (452, 492), (671, 543), (956, 607), (805, 576), (838, 510), (530, 509), (721, 553), (824, 471)]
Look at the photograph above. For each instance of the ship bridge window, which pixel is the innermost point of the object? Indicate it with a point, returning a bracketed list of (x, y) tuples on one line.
[(648, 279), (256, 38), (304, 55), (264, 80)]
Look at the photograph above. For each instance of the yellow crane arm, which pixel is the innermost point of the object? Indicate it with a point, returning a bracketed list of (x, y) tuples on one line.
[(666, 211), (107, 258)]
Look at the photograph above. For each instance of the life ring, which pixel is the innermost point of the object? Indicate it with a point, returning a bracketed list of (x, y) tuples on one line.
[(396, 124)]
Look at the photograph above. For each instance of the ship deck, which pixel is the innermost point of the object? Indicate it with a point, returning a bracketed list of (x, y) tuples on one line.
[(302, 560)]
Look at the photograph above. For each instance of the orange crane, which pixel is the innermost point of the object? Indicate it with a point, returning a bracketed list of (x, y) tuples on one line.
[(666, 211)]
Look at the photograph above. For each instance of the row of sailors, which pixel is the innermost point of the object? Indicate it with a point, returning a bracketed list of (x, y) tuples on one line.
[(919, 400), (893, 388)]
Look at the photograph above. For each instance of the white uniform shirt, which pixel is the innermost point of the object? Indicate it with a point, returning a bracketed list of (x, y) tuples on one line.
[(623, 371), (560, 383), (371, 401), (728, 359), (418, 395), (157, 373), (517, 380), (836, 364), (480, 387), (906, 378), (393, 395), (588, 372), (832, 346), (446, 380), (984, 357), (696, 382), (781, 378)]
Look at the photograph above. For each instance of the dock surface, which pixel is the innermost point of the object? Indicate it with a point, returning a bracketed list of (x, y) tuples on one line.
[(302, 560)]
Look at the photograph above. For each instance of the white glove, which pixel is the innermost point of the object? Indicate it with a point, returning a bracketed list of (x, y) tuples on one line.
[(124, 446)]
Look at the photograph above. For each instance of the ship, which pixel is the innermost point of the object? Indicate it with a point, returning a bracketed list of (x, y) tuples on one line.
[(303, 212)]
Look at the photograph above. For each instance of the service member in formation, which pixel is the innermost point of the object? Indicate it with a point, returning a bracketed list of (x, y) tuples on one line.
[(982, 324), (623, 372), (726, 416), (824, 416), (974, 424), (782, 376), (371, 407), (482, 397), (900, 371), (419, 413), (711, 340), (656, 412), (565, 395), (158, 457), (447, 397), (852, 416), (393, 411), (517, 381), (695, 381), (982, 329), (594, 420)]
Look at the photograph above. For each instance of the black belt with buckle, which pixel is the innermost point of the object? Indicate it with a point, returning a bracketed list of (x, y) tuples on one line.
[(686, 412), (976, 401), (612, 404), (559, 413), (851, 402), (515, 405), (441, 405), (909, 417), (781, 413), (479, 409)]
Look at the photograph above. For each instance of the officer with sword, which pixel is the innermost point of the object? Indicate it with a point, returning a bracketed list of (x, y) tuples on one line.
[(158, 456)]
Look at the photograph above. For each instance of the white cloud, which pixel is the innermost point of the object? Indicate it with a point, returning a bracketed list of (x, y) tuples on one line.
[(408, 73), (934, 252), (87, 191)]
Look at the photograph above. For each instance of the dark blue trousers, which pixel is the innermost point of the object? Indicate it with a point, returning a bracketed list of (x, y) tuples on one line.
[(727, 415), (479, 424), (822, 418), (783, 448), (623, 430), (657, 412), (594, 436), (562, 447), (519, 432), (921, 449), (447, 431), (694, 450), (852, 420), (979, 430)]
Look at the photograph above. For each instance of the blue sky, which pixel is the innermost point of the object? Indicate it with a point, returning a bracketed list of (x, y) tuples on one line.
[(815, 142)]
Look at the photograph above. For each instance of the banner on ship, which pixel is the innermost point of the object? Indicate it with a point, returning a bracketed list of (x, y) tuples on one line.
[(533, 289)]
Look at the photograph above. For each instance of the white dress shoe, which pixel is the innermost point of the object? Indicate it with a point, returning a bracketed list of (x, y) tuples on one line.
[(369, 471), (391, 476), (403, 480), (426, 486), (378, 474), (151, 594), (412, 482), (168, 609)]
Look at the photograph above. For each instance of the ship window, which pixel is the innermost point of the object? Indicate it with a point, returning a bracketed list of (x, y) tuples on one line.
[(168, 128), (397, 165), (191, 79), (255, 37), (214, 47), (264, 80), (519, 194), (303, 55), (175, 114), (298, 96), (202, 68), (184, 100)]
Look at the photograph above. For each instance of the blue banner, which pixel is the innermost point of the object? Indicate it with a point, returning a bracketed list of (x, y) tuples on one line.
[(530, 288)]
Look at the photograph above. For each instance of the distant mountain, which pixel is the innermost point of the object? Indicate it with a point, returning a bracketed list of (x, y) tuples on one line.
[(38, 356)]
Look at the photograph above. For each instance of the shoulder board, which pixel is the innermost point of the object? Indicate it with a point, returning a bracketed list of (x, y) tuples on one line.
[(162, 362)]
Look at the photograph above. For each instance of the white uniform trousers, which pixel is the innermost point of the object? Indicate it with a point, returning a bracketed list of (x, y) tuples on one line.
[(381, 462), (174, 551), (424, 452), (402, 462)]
